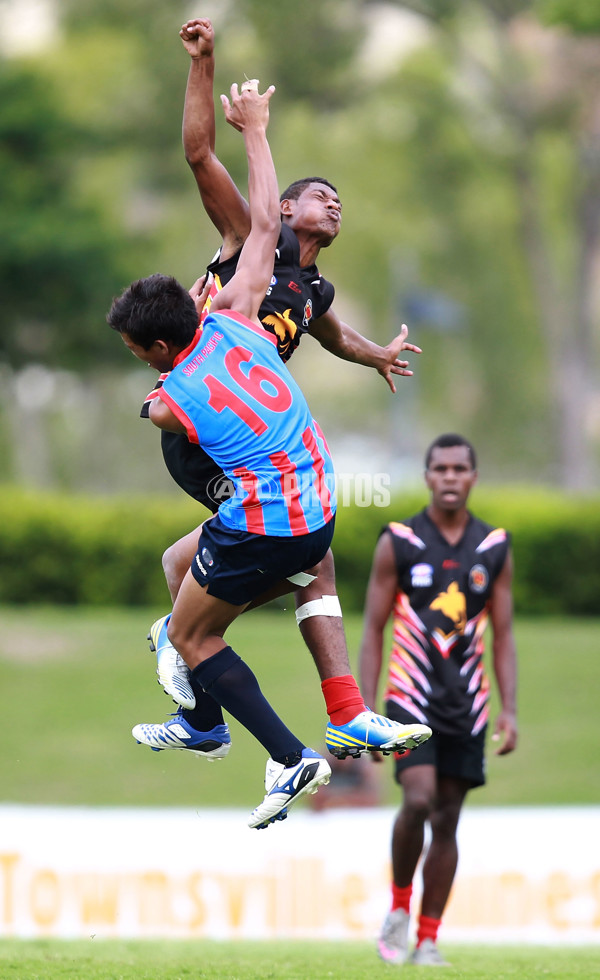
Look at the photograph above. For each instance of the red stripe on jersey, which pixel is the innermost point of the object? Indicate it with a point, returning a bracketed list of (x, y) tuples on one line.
[(180, 415), (253, 510), (310, 442), (159, 383), (245, 322), (291, 493), (319, 432)]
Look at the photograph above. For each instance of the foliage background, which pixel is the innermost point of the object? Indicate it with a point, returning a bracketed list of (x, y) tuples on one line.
[(465, 141)]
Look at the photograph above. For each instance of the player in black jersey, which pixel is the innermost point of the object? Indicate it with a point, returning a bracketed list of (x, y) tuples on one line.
[(441, 575), (298, 301)]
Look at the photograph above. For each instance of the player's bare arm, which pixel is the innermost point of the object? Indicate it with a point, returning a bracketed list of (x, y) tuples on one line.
[(163, 418), (222, 201), (248, 112), (504, 659), (342, 340)]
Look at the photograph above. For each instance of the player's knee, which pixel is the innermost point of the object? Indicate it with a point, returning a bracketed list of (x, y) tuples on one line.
[(418, 806), (175, 565)]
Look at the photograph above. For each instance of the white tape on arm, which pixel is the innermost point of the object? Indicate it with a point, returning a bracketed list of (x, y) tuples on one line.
[(327, 605)]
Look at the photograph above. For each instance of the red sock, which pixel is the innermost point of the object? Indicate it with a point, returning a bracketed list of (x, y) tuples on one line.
[(401, 897), (428, 928), (342, 698)]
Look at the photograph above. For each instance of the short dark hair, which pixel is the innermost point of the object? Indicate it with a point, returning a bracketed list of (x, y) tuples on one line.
[(446, 441), (293, 192), (155, 308)]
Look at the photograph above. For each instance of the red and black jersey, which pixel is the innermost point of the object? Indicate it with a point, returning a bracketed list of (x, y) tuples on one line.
[(295, 297), (436, 670)]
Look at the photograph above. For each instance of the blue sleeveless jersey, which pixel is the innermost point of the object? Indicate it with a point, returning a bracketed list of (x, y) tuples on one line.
[(238, 401)]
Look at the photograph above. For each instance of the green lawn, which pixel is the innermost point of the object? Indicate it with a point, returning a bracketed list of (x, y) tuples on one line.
[(74, 682), (114, 960)]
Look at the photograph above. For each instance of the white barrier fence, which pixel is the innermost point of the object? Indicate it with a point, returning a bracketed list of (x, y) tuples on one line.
[(525, 874)]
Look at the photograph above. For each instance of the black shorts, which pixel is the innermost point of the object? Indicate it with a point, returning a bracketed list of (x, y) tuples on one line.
[(238, 566), (455, 756)]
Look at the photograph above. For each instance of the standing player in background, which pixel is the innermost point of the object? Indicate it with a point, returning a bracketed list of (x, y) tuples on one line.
[(298, 300), (441, 574), (227, 390)]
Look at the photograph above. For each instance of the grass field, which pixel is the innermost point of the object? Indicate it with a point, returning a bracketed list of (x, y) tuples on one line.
[(74, 682), (108, 960)]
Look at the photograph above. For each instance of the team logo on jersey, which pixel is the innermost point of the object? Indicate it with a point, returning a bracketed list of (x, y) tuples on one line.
[(284, 327), (307, 313), (453, 605), (421, 575), (478, 578)]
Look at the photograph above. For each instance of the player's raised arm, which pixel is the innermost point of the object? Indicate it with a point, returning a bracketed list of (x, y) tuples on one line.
[(223, 202), (248, 111)]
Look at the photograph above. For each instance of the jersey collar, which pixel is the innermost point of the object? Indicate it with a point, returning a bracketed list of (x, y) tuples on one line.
[(188, 350)]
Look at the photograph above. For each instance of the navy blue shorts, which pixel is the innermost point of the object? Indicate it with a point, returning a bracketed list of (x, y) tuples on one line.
[(238, 566), (454, 756)]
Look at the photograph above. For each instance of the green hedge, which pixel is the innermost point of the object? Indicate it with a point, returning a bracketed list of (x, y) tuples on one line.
[(107, 551)]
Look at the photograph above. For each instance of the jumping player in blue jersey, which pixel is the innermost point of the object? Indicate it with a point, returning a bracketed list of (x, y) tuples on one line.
[(298, 301), (228, 391)]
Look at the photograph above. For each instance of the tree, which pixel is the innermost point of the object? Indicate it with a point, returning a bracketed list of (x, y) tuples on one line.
[(59, 258), (529, 96)]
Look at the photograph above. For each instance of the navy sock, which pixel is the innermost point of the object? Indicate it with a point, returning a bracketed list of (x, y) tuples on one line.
[(207, 713), (232, 684)]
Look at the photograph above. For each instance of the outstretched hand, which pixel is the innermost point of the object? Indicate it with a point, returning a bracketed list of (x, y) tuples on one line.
[(198, 37), (394, 365), (247, 106)]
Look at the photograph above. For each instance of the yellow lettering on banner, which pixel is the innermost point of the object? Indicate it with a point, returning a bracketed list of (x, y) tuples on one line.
[(495, 901), (234, 890), (98, 898), (154, 901), (7, 865), (198, 915), (44, 893), (558, 893), (353, 894)]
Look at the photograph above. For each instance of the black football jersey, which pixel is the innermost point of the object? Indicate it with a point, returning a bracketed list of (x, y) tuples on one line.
[(295, 295), (436, 671)]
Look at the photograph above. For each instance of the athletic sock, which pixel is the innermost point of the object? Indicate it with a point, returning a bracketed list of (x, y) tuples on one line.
[(427, 929), (342, 698), (401, 897), (206, 715), (232, 684)]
